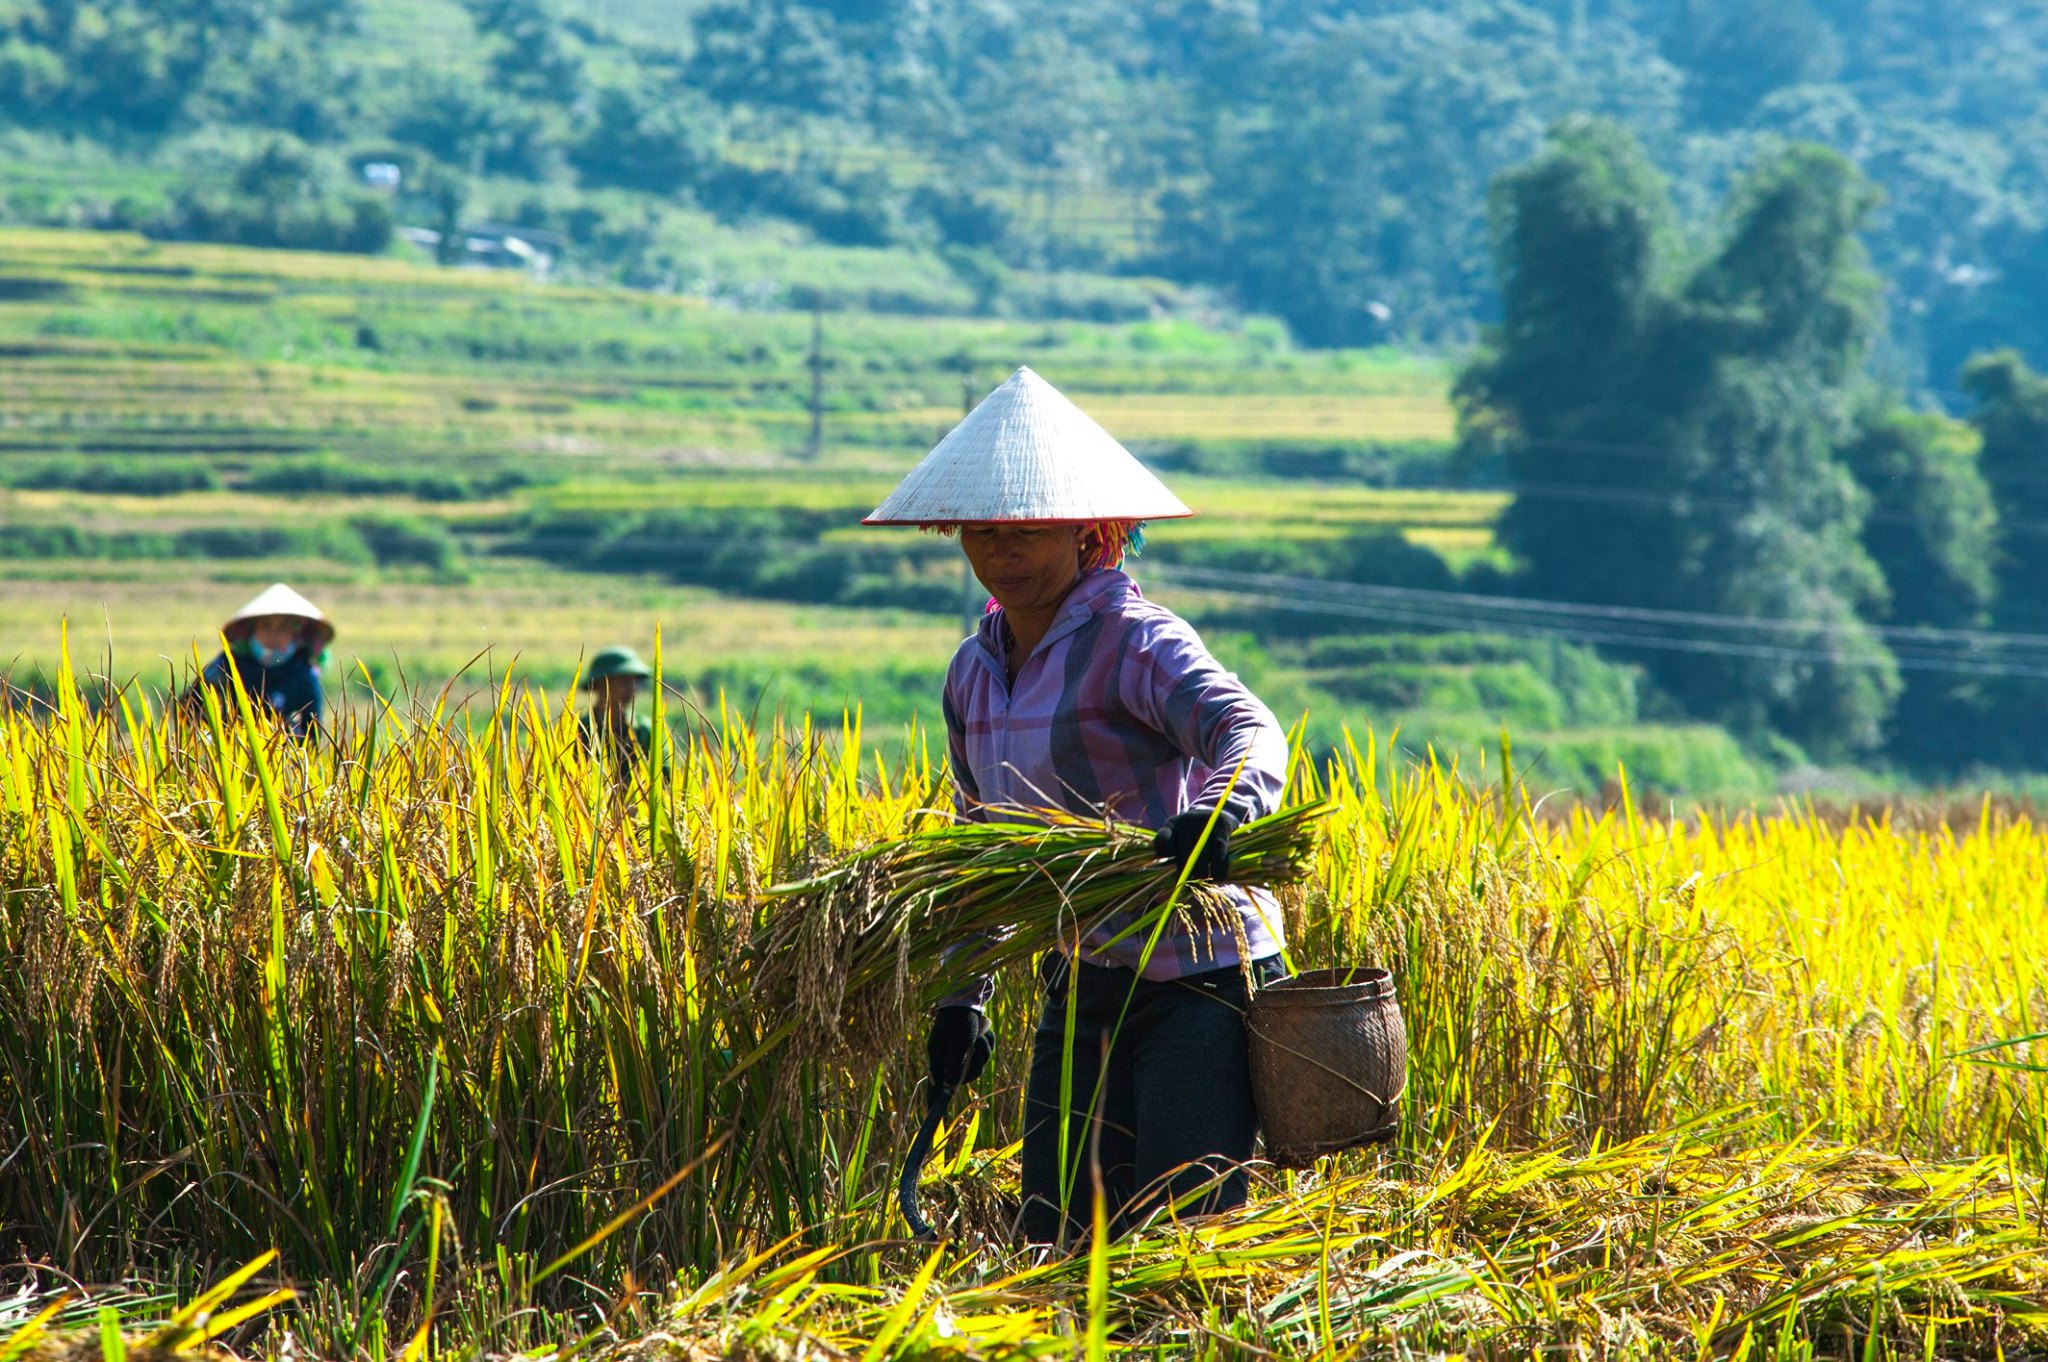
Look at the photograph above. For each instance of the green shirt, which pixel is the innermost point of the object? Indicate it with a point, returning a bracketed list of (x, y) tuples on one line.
[(625, 740)]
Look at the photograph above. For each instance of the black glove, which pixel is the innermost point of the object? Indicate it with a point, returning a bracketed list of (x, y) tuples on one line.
[(1176, 842), (959, 1045)]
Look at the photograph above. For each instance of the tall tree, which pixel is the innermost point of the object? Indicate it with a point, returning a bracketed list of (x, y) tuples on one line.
[(1672, 441), (1931, 532), (781, 56), (2011, 416), (1789, 308), (1564, 387)]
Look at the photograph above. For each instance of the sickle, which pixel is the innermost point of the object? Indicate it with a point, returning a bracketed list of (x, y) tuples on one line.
[(913, 1166)]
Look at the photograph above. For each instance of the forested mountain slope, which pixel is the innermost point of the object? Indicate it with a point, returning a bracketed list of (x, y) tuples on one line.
[(1324, 161)]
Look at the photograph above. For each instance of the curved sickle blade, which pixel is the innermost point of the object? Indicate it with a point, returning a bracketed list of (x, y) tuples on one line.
[(913, 1166)]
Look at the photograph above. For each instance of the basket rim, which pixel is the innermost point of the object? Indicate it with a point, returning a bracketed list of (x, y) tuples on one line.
[(1317, 986)]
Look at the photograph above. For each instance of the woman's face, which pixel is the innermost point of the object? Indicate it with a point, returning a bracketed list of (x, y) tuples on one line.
[(276, 632), (1026, 567)]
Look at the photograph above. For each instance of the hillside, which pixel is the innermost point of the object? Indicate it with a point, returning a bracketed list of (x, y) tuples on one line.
[(1324, 162)]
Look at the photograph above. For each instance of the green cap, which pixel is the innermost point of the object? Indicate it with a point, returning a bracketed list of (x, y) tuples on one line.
[(616, 661)]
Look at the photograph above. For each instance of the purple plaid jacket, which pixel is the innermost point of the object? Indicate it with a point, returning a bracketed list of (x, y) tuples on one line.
[(1122, 709)]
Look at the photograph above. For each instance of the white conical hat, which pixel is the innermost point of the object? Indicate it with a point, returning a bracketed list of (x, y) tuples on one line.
[(1027, 453), (279, 599)]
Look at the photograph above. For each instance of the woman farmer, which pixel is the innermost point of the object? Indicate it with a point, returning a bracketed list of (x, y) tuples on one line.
[(1077, 692), (612, 730), (276, 644)]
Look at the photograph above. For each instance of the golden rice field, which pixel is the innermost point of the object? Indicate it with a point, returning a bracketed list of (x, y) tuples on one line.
[(493, 1053)]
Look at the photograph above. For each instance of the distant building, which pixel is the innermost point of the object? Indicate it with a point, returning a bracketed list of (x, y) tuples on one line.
[(383, 176), (495, 246)]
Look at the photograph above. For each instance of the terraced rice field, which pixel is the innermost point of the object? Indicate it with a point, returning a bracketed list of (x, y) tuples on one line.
[(116, 342)]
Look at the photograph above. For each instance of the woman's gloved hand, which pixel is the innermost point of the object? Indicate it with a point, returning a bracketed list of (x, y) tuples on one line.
[(958, 1046), (1176, 842)]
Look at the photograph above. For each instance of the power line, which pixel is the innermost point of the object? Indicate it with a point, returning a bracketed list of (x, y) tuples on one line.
[(1425, 596), (1622, 449), (1710, 647), (1611, 625), (1626, 496)]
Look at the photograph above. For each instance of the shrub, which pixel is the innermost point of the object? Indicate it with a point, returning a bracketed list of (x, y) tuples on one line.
[(140, 477), (1511, 693), (862, 210), (334, 542), (407, 541), (963, 218), (772, 552), (51, 541), (334, 478), (281, 196), (1571, 684), (1409, 463)]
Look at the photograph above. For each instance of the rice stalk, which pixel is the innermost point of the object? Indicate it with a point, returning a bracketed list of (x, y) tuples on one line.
[(837, 957)]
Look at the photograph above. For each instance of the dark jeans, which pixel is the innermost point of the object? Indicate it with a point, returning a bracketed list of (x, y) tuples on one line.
[(1161, 1104)]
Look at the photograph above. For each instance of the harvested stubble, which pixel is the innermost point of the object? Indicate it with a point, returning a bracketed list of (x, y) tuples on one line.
[(1709, 1240), (434, 994)]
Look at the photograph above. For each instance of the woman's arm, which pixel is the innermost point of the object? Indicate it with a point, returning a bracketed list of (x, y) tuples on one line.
[(1174, 684)]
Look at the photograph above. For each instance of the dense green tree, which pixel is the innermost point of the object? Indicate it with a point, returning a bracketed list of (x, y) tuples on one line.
[(293, 84), (1736, 52), (1562, 387), (145, 66), (2011, 415), (1791, 308), (1931, 532), (780, 55), (1326, 160), (1932, 524), (1672, 440), (282, 195), (659, 142), (530, 53), (1342, 194), (456, 120)]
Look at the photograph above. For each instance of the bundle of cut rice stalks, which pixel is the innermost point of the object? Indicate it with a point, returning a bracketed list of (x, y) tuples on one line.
[(849, 953)]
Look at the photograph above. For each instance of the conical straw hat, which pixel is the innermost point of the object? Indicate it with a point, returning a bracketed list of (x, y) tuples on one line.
[(279, 599), (1027, 453)]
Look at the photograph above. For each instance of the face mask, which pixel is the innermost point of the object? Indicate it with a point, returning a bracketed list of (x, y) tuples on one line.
[(269, 657)]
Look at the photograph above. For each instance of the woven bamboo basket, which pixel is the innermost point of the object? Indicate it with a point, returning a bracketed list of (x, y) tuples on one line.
[(1329, 1058)]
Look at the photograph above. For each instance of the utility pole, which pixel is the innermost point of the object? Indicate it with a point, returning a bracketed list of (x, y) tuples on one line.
[(817, 443)]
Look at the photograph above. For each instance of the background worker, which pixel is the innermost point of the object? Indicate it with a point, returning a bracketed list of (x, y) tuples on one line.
[(614, 729), (1076, 692), (276, 644)]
